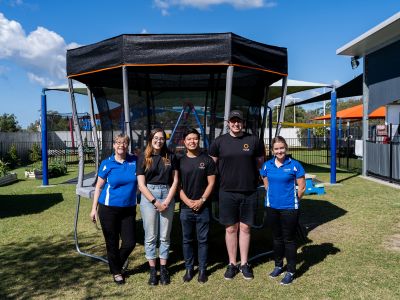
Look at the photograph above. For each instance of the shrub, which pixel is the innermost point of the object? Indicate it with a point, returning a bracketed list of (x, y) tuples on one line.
[(35, 153), (3, 168), (12, 158), (57, 168)]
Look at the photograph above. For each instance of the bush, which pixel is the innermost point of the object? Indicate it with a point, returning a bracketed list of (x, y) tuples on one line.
[(57, 168), (11, 157), (3, 168), (35, 154)]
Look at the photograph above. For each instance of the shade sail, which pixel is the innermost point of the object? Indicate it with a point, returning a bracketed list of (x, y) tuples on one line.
[(356, 113), (349, 89)]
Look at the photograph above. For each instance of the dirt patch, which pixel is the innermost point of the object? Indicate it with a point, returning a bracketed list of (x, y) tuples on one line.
[(393, 241)]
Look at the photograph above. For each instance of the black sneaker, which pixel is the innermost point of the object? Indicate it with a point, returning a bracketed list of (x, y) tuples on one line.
[(202, 276), (153, 280), (164, 276), (288, 279), (276, 272), (231, 272), (246, 271)]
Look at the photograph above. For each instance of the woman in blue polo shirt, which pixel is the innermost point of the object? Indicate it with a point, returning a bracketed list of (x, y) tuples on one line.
[(115, 198), (280, 175)]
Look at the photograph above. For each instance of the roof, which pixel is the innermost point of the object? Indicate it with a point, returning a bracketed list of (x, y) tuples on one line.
[(169, 50), (374, 39), (356, 113), (349, 89)]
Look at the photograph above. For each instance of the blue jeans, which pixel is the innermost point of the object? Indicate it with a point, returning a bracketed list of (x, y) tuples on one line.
[(195, 223), (157, 226)]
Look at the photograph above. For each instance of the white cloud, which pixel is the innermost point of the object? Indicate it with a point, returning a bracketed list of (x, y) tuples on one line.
[(41, 52), (165, 5), (144, 31)]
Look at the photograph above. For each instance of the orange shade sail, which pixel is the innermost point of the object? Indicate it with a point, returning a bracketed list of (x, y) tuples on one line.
[(356, 113)]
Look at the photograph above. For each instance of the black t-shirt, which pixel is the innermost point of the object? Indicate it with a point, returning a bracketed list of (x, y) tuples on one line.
[(193, 172), (159, 172), (237, 164)]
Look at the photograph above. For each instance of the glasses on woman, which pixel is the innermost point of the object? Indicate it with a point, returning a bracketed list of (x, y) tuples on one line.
[(156, 138), (119, 143)]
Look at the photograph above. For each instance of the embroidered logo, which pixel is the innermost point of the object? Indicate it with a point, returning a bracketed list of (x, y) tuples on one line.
[(246, 147), (295, 169), (167, 162), (202, 165), (104, 168)]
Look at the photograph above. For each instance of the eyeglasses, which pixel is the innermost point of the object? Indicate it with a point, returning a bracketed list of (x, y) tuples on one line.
[(156, 138), (121, 143)]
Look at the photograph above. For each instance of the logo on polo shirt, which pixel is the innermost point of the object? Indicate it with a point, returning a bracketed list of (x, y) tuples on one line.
[(246, 147), (167, 162), (202, 165), (287, 170)]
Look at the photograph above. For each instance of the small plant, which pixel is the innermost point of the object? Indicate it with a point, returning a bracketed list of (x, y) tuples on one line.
[(57, 168), (12, 158), (35, 154), (4, 169)]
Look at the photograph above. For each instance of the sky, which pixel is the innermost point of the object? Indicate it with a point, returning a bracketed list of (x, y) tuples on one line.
[(35, 34)]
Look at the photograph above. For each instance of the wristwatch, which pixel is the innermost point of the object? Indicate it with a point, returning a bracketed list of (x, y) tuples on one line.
[(154, 201), (203, 199)]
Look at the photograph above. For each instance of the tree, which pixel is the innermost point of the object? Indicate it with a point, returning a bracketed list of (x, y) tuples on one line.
[(33, 127), (9, 123)]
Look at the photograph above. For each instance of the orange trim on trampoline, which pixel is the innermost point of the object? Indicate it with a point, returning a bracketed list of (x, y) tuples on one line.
[(167, 65)]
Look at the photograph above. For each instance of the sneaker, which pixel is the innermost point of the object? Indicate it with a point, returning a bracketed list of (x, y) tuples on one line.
[(276, 272), (164, 276), (153, 280), (246, 271), (231, 272), (288, 279)]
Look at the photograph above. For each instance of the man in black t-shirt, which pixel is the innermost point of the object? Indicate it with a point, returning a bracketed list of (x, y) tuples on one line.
[(197, 172), (239, 156)]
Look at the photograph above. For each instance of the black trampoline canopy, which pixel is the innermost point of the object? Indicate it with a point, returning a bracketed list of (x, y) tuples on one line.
[(193, 51)]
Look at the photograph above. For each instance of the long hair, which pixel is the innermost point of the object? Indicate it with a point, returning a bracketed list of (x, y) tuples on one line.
[(148, 160)]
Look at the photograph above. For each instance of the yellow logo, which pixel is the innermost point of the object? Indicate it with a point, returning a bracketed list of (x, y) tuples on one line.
[(246, 147)]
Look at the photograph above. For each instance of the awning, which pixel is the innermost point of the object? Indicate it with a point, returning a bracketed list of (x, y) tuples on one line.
[(356, 113), (351, 88), (293, 86)]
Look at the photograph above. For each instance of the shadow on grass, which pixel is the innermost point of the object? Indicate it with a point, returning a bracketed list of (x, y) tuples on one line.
[(41, 267), (316, 212), (314, 254), (18, 205)]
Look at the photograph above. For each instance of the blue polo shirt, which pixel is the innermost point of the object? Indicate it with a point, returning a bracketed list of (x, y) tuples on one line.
[(120, 187), (281, 192)]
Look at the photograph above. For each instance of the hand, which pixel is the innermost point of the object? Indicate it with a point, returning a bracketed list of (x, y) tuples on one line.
[(159, 206), (197, 205), (93, 215)]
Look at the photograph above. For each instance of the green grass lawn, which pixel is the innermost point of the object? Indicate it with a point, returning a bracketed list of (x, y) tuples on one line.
[(350, 252)]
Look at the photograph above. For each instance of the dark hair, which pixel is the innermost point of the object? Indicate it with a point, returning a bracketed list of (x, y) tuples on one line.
[(191, 131), (148, 160), (279, 139)]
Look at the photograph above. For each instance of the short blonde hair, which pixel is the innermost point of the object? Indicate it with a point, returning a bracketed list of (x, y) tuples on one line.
[(122, 136)]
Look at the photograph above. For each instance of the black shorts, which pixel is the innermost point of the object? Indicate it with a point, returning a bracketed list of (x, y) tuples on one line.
[(235, 207)]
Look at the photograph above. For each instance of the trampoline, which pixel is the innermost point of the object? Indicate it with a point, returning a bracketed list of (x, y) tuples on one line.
[(140, 82)]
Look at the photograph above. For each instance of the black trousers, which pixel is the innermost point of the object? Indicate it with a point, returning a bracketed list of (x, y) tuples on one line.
[(116, 223), (283, 223)]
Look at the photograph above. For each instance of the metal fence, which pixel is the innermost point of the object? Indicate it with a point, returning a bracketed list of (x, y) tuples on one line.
[(315, 151)]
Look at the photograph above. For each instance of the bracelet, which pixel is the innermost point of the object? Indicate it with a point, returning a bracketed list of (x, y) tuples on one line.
[(153, 201), (203, 199)]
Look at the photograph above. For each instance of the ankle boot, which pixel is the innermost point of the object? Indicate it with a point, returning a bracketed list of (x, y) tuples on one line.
[(153, 276), (164, 275)]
